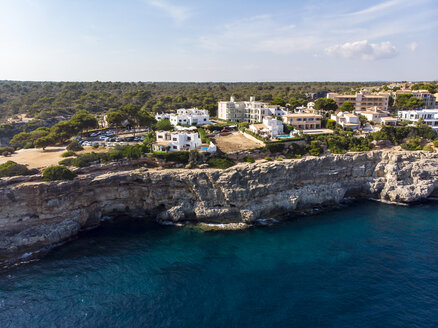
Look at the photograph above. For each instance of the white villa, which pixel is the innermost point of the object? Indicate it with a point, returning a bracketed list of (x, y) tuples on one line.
[(192, 116), (429, 116), (347, 120), (379, 116), (270, 127), (176, 141)]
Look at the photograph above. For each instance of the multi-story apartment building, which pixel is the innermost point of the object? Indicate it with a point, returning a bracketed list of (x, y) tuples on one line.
[(176, 141), (192, 116), (247, 111), (429, 99), (362, 100), (303, 121), (429, 116)]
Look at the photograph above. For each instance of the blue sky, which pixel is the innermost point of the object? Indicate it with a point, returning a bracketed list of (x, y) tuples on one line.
[(206, 40)]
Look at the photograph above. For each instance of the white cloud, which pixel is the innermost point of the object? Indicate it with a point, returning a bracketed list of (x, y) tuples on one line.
[(363, 50), (412, 46), (176, 12)]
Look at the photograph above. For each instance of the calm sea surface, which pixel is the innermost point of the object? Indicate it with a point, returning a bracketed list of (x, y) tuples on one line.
[(366, 265)]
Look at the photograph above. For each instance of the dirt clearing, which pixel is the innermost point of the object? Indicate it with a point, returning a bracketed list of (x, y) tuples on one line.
[(235, 142)]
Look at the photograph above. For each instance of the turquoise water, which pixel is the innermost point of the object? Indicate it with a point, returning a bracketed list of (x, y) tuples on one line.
[(366, 265)]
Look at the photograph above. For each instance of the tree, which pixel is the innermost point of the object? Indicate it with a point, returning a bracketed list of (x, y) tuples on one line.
[(278, 101), (408, 101), (83, 120), (115, 118), (44, 142), (325, 105), (347, 106), (63, 130), (164, 125), (149, 139), (145, 119), (74, 146)]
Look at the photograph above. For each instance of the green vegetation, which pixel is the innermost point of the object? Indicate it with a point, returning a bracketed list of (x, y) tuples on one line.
[(6, 151), (268, 158), (204, 137), (431, 87), (68, 154), (325, 105), (220, 163), (11, 169), (435, 142), (249, 159), (347, 106), (429, 148), (275, 147), (164, 125), (54, 173), (397, 134), (51, 99), (74, 146), (315, 148), (181, 157), (412, 144), (279, 159), (408, 101)]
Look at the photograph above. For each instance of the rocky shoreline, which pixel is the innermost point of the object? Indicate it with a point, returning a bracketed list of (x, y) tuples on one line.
[(35, 215)]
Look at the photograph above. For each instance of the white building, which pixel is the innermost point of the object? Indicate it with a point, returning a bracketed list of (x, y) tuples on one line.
[(270, 127), (192, 116), (176, 141), (347, 120), (429, 116), (246, 111)]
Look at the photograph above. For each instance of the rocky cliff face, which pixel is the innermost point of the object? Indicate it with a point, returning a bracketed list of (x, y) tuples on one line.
[(35, 214)]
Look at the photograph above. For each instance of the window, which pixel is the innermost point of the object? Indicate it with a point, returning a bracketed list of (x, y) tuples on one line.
[(175, 147)]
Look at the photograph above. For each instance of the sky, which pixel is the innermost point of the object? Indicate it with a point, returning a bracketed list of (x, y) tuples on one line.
[(218, 40)]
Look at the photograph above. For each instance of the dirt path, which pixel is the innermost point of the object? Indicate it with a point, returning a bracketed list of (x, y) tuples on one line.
[(234, 142)]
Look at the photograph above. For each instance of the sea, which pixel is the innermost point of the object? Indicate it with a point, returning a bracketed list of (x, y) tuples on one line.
[(366, 264)]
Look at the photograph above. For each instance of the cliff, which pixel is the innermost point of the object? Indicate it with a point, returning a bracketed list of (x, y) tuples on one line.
[(36, 214)]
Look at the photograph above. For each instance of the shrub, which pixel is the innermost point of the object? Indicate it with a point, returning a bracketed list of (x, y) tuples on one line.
[(66, 162), (275, 147), (68, 154), (181, 157), (268, 158), (95, 146), (59, 172), (75, 146), (204, 138), (315, 148), (412, 144), (11, 169), (249, 159), (435, 143), (220, 162), (429, 148), (278, 159), (6, 151)]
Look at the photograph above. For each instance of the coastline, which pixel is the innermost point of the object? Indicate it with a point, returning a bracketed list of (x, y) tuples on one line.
[(35, 215)]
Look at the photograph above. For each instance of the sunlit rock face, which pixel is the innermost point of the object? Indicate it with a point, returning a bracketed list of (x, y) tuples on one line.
[(36, 214)]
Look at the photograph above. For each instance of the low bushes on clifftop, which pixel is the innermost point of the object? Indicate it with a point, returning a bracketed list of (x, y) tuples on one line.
[(11, 169), (220, 163), (59, 172)]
